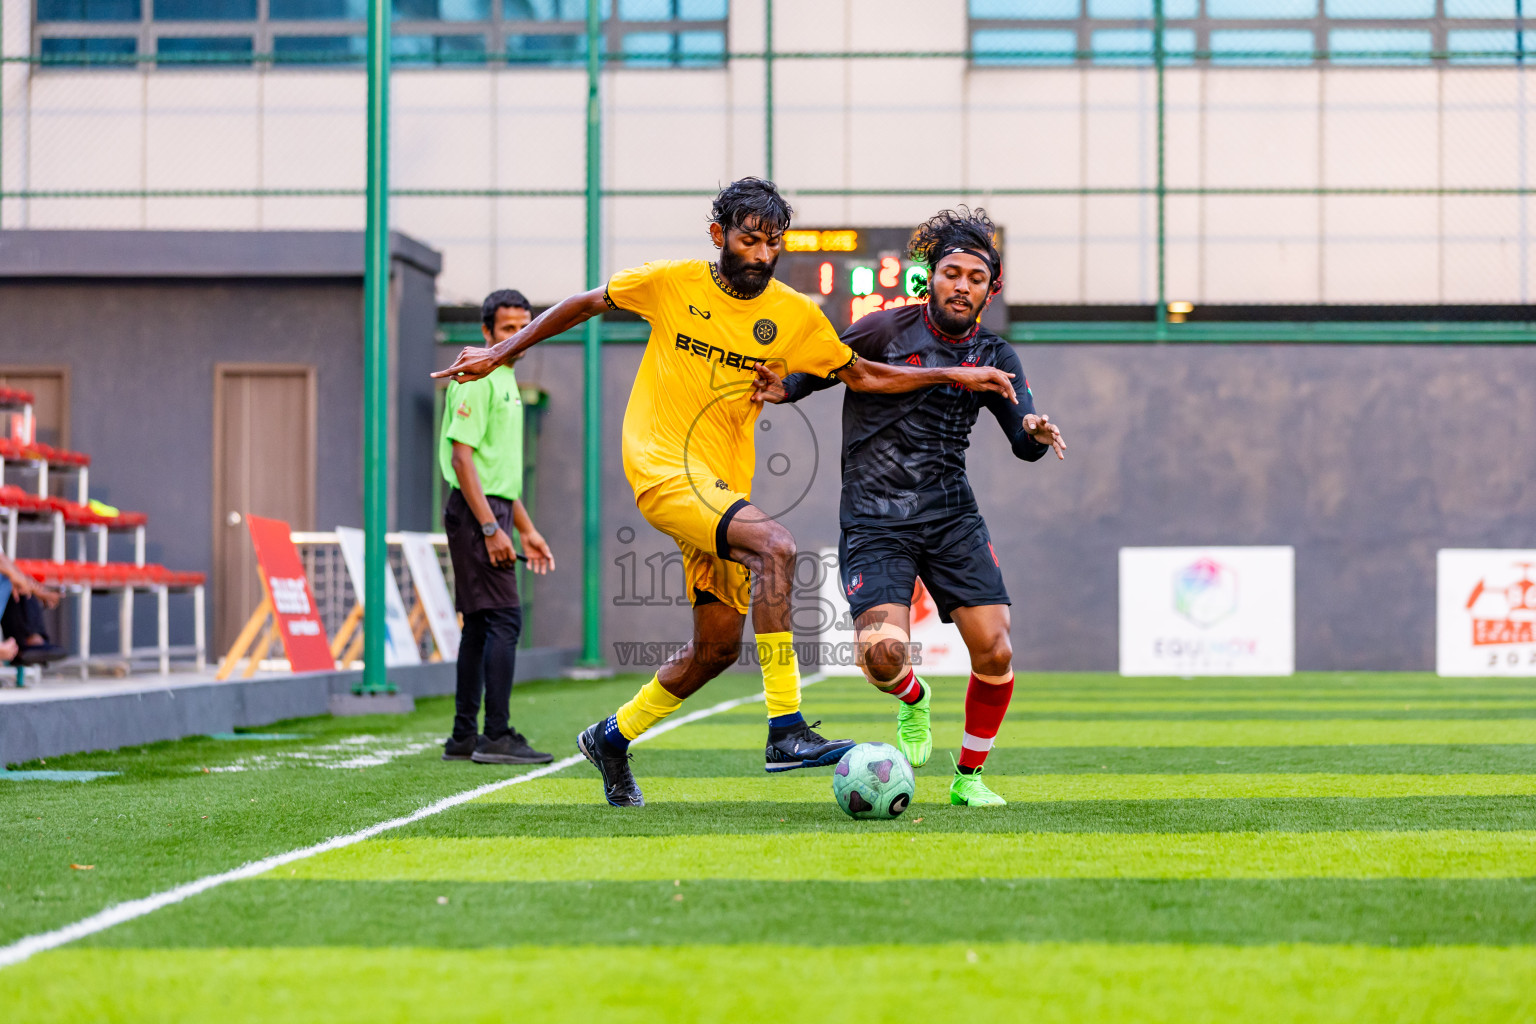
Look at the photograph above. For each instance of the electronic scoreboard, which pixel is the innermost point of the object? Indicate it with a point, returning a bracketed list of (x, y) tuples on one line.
[(852, 272)]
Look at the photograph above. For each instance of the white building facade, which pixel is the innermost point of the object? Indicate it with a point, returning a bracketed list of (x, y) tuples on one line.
[(490, 96)]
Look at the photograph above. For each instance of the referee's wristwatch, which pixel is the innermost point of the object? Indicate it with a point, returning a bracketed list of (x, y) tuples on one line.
[(489, 529)]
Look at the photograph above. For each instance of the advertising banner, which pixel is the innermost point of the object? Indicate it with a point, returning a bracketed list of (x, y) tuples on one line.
[(293, 606), (1227, 611), (942, 651), (399, 642), (1485, 612), (432, 592)]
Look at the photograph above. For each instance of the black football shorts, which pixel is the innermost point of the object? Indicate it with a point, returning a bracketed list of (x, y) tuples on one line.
[(954, 556)]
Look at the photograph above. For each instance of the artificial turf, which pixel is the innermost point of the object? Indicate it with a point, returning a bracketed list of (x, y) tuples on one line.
[(1325, 847), (704, 982)]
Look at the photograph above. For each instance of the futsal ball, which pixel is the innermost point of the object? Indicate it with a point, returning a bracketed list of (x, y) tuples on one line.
[(873, 780)]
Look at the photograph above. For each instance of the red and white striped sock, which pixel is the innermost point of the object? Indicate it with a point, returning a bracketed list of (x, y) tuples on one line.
[(985, 705), (909, 690)]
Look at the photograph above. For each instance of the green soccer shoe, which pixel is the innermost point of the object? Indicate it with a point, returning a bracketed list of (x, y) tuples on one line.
[(970, 791), (914, 732)]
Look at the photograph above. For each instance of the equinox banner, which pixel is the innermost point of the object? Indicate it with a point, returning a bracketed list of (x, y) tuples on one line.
[(1208, 611)]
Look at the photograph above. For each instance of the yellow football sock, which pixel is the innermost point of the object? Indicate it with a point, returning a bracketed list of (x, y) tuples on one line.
[(781, 672), (646, 708)]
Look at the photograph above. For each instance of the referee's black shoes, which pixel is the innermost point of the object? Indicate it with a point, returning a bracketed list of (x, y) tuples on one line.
[(512, 748), (456, 749)]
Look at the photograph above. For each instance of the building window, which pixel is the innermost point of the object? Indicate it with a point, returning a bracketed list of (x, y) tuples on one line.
[(1248, 32), (546, 48), (88, 10), (92, 51), (204, 10), (1379, 46), (317, 10), (548, 10), (442, 10), (201, 51), (644, 33), (1024, 46), (1249, 10), (1134, 46), (673, 49), (1261, 46), (319, 49), (454, 49), (1475, 46)]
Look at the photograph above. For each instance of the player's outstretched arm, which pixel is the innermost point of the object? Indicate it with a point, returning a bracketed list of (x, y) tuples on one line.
[(1031, 433), (882, 378), (476, 362)]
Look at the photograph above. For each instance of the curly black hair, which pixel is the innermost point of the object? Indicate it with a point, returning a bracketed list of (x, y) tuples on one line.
[(962, 228), (751, 199)]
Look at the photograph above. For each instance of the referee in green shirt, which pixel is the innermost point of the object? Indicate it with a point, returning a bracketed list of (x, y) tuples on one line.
[(481, 456)]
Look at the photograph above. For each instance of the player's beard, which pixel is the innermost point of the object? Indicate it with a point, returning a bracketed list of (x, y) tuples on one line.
[(747, 278), (951, 323)]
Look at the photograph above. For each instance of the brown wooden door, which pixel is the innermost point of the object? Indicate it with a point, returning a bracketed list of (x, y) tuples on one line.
[(263, 464), (50, 399)]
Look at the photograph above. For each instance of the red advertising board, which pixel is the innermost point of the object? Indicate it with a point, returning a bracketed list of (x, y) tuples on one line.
[(293, 606)]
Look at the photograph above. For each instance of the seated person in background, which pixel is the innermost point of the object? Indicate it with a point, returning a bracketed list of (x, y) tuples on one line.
[(8, 648), (26, 636)]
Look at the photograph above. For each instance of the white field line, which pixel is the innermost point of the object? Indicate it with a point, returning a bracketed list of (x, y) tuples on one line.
[(118, 913)]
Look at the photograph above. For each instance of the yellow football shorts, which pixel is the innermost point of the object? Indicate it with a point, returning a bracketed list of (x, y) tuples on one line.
[(695, 511)]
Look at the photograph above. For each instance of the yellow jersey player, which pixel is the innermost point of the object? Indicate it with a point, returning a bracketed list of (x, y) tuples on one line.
[(688, 454)]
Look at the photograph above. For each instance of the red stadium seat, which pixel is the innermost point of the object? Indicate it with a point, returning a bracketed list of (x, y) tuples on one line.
[(37, 451), (75, 514), (55, 456), (59, 514), (14, 497), (109, 575)]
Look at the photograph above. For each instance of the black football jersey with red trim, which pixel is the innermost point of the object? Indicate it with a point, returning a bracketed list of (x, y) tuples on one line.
[(904, 455)]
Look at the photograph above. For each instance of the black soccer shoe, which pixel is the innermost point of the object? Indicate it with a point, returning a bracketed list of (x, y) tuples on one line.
[(619, 785), (799, 746), (455, 749), (512, 748)]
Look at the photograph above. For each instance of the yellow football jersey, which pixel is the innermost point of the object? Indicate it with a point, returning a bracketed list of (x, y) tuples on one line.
[(689, 410)]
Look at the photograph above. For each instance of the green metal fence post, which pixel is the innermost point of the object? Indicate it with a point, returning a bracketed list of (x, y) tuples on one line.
[(592, 521), (1159, 60), (375, 352), (768, 89)]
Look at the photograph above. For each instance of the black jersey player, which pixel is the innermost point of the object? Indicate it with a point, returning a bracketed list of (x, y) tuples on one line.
[(907, 509)]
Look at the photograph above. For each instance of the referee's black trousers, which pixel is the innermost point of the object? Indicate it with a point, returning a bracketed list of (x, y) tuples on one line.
[(487, 658)]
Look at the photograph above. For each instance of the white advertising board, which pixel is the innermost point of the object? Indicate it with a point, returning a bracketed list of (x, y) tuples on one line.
[(942, 651), (1228, 611), (432, 592), (399, 642), (1485, 612)]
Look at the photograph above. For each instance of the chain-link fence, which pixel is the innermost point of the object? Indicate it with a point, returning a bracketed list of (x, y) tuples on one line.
[(1257, 162)]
